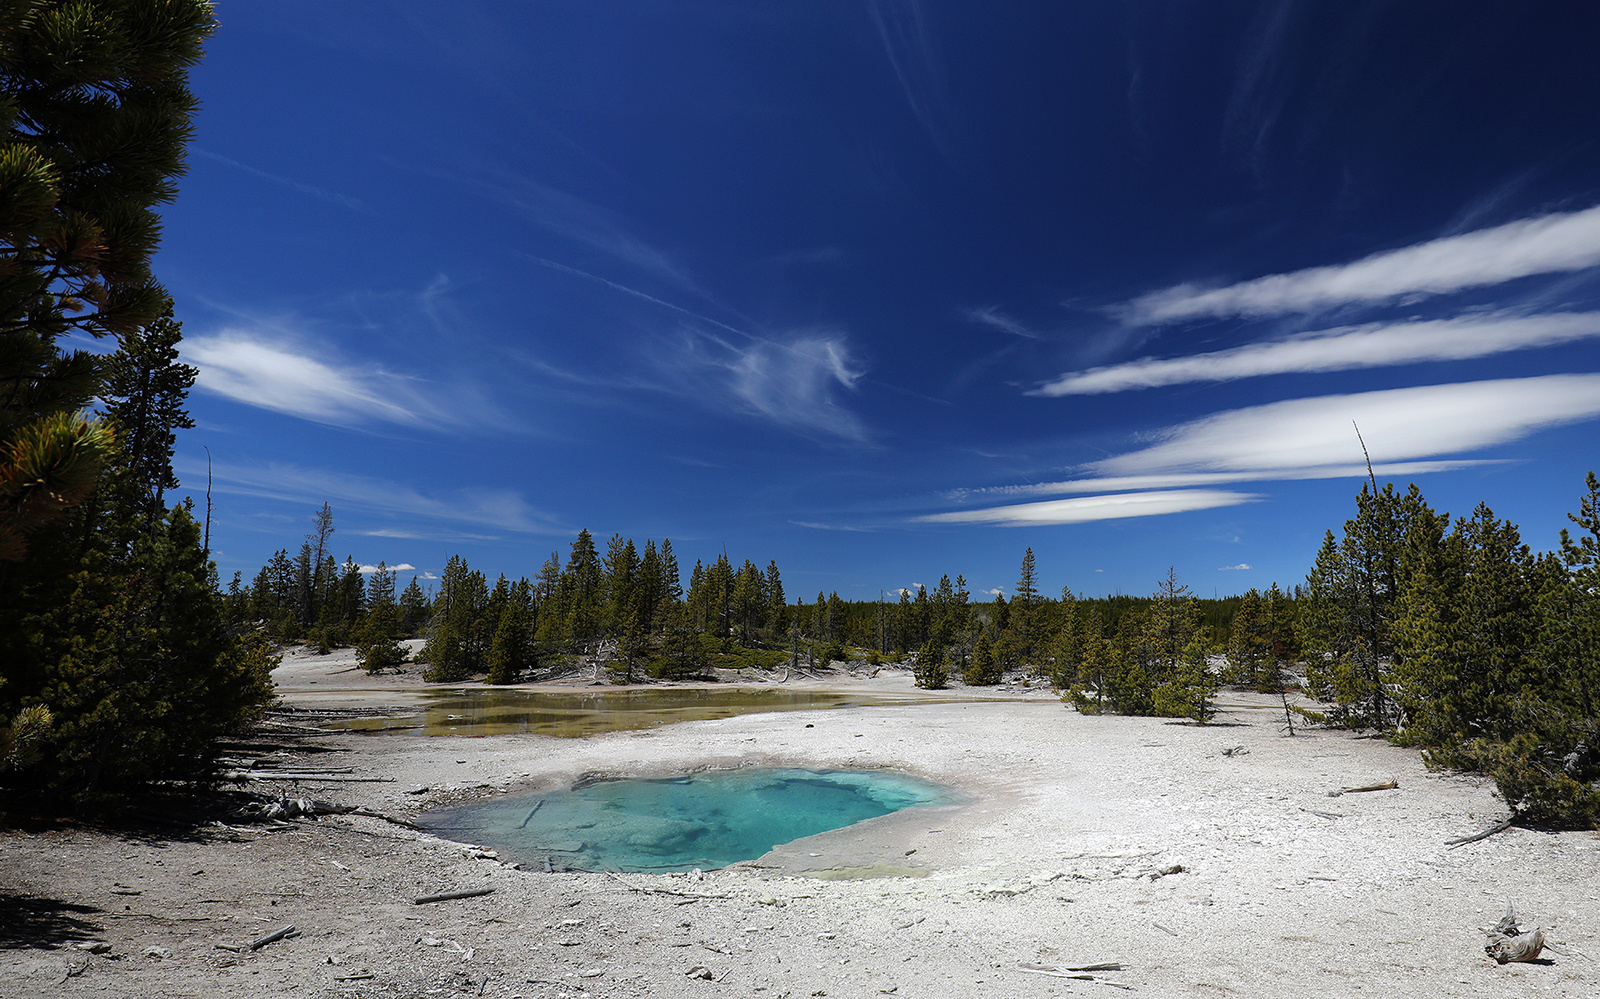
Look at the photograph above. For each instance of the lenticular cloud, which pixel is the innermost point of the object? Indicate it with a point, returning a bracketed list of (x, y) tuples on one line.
[(1555, 243), (1397, 425)]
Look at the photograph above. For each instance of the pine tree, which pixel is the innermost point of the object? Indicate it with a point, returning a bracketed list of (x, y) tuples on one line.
[(457, 644), (777, 610), (512, 651), (1249, 644), (681, 657), (144, 393), (95, 112), (377, 642), (931, 672), (413, 608), (982, 670), (1024, 608)]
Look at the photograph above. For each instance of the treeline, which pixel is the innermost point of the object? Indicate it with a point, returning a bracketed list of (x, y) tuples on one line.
[(627, 607), (315, 599)]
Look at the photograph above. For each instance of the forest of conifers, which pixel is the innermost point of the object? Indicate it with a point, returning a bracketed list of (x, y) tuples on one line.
[(1451, 635)]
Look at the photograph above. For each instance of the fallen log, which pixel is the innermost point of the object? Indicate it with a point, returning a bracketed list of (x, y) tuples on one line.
[(308, 778), (369, 813), (1388, 785), (1498, 827), (274, 936), (447, 896)]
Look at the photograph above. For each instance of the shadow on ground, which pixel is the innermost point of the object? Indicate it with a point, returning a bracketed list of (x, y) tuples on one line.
[(43, 923)]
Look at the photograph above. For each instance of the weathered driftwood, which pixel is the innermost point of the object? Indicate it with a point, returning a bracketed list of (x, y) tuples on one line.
[(307, 778), (369, 813), (447, 896), (1079, 973), (693, 896), (303, 729), (1388, 785), (265, 810), (1498, 827), (1508, 943), (274, 936)]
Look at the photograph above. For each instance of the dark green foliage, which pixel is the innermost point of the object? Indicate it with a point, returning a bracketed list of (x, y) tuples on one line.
[(377, 641), (931, 671), (681, 656), (1459, 639), (94, 116), (982, 669), (513, 652), (457, 644), (131, 656)]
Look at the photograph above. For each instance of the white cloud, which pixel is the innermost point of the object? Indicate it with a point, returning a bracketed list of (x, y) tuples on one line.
[(1397, 425), (279, 376), (1184, 480), (1084, 509), (1559, 242), (498, 509), (830, 527), (992, 317), (795, 384), (1233, 568), (587, 223), (316, 192), (367, 570), (1341, 349)]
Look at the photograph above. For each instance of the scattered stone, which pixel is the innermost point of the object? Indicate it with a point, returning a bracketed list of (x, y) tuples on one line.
[(95, 947), (159, 953), (592, 973), (700, 971)]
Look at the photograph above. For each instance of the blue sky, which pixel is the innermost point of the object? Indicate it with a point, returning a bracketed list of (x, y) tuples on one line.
[(887, 290)]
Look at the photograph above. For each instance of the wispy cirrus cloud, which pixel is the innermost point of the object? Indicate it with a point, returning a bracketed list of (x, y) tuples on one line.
[(1427, 421), (280, 375), (813, 525), (321, 194), (992, 317), (1554, 243), (592, 225), (791, 381), (1341, 349), (1084, 509), (498, 509), (909, 43), (796, 384)]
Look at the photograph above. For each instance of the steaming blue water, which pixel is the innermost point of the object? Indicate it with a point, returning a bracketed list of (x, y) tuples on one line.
[(706, 820)]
